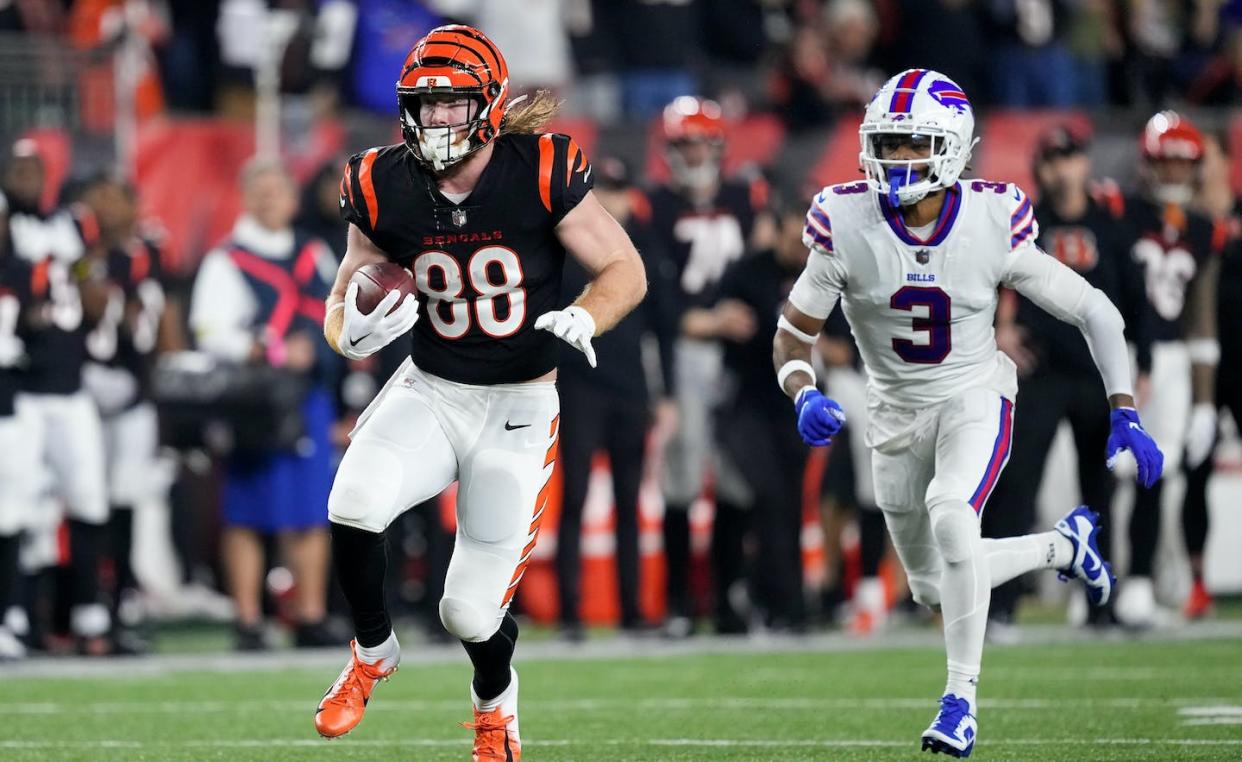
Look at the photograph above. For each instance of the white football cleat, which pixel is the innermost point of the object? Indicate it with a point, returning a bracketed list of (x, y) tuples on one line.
[(1081, 527)]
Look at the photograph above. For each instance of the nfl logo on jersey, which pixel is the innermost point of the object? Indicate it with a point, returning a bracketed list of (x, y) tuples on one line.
[(922, 256), (459, 217)]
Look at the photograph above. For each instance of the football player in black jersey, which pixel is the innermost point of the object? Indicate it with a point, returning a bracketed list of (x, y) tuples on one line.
[(1179, 250), (14, 501), (122, 349), (1057, 377), (60, 254), (1216, 199), (482, 207), (702, 221)]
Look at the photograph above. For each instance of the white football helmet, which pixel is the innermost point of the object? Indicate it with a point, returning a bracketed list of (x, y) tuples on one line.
[(923, 103)]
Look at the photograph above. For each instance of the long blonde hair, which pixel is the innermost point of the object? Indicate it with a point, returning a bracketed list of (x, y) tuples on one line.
[(532, 116)]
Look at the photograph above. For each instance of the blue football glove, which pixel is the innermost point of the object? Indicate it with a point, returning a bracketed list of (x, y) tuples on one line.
[(1128, 434), (819, 418)]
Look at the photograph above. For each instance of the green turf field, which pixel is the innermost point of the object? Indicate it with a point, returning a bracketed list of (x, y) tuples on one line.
[(1119, 700)]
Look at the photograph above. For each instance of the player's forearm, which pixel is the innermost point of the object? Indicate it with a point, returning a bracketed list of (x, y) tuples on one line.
[(1201, 332), (333, 322), (1203, 383), (786, 349), (614, 292)]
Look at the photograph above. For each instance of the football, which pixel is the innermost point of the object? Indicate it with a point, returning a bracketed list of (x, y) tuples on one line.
[(376, 280)]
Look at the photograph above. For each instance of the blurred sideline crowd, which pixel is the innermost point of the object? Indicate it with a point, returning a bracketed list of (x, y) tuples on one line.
[(168, 438), (130, 461), (807, 61)]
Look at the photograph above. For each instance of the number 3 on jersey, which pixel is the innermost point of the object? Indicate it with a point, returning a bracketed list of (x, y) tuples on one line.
[(935, 325), (495, 272)]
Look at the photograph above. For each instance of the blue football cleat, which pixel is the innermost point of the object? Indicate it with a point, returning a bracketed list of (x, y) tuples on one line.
[(954, 729), (1081, 526)]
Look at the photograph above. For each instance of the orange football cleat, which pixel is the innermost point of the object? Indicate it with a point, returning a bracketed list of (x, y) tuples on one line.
[(495, 737), (342, 706), (1200, 603)]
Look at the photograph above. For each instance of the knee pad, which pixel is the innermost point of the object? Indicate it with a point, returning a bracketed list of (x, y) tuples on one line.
[(956, 529), (366, 487), (467, 621)]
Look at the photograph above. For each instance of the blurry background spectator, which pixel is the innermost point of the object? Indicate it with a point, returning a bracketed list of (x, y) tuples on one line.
[(234, 316), (610, 408)]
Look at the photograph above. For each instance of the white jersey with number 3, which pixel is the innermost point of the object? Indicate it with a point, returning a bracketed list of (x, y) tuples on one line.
[(922, 309)]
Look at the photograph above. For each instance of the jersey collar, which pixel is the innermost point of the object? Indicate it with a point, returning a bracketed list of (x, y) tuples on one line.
[(944, 224)]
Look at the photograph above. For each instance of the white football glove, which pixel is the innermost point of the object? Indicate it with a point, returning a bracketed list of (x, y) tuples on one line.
[(362, 335), (1200, 434), (574, 326)]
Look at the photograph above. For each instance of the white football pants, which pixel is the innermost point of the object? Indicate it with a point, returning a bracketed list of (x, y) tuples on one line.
[(419, 435), (63, 434)]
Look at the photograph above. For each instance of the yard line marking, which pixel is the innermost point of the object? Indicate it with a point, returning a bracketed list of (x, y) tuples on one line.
[(640, 650), (1191, 705), (1207, 711), (1213, 721), (659, 742)]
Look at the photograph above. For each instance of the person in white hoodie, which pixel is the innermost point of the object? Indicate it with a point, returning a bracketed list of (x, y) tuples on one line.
[(258, 298)]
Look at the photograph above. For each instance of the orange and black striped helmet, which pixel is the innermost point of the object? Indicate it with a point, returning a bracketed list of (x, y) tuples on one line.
[(453, 59)]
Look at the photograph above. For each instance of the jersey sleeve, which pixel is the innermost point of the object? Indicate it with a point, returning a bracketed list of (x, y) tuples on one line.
[(358, 203), (565, 175), (817, 232), (819, 286), (1023, 229), (1067, 296)]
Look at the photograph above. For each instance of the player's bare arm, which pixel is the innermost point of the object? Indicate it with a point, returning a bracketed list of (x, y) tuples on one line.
[(618, 278), (793, 346), (1204, 348), (359, 251), (600, 244)]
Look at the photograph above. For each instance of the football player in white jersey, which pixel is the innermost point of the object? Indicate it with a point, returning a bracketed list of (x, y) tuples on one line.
[(915, 256)]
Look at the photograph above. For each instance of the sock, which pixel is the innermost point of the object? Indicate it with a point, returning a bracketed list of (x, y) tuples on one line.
[(121, 531), (388, 652), (491, 659), (677, 558), (8, 572), (1015, 556), (963, 682), (506, 702), (361, 561), (89, 617)]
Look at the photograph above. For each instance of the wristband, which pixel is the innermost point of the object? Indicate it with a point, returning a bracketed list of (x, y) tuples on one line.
[(1203, 351), (793, 366)]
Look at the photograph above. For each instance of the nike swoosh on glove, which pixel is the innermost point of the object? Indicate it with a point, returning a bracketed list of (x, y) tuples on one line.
[(1128, 434), (1200, 434), (572, 325), (362, 335), (819, 418)]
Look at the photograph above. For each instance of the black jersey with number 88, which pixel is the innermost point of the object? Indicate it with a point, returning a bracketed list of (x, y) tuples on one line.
[(485, 268)]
